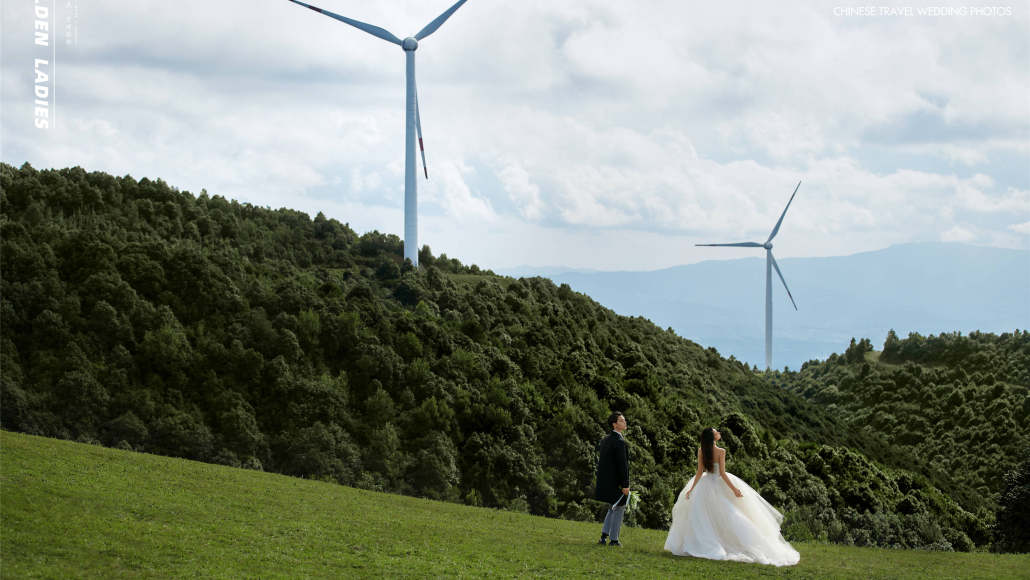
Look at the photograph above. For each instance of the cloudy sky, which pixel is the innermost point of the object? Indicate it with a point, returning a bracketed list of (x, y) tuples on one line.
[(607, 134)]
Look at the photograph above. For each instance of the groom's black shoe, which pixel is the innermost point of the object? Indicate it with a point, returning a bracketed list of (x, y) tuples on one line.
[(615, 544), (603, 541)]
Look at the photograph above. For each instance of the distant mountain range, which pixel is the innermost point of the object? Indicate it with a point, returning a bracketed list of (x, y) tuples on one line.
[(927, 288)]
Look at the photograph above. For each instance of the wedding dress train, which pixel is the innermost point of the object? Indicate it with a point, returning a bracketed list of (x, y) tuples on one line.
[(717, 525)]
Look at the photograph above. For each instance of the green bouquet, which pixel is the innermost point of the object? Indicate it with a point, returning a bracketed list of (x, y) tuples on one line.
[(632, 501)]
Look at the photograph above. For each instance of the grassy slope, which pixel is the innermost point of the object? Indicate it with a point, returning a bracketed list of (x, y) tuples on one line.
[(74, 510)]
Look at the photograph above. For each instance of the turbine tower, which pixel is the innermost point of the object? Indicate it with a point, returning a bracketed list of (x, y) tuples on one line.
[(770, 263), (412, 122)]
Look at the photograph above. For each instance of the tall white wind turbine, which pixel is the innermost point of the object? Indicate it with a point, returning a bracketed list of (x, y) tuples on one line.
[(770, 263), (412, 121)]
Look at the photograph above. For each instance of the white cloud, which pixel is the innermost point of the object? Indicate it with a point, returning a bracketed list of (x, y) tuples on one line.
[(958, 234), (362, 181), (638, 127), (456, 197), (522, 190)]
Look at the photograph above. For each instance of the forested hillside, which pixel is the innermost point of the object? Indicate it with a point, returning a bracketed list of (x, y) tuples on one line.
[(147, 318), (960, 403)]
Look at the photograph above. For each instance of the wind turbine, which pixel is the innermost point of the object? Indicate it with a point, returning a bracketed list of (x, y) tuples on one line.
[(770, 263), (412, 122)]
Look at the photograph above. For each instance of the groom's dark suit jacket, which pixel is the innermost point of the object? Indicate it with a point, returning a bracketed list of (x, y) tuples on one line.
[(612, 468)]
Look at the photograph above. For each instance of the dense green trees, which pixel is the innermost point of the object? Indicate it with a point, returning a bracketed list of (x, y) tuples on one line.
[(142, 317), (1012, 530), (955, 408)]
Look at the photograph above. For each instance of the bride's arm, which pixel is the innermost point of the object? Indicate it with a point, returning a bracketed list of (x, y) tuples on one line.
[(722, 471), (697, 476)]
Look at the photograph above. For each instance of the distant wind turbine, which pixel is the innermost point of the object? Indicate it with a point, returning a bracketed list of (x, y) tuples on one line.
[(412, 120), (770, 263)]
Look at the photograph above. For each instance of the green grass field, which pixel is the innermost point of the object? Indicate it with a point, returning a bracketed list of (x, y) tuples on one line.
[(75, 510)]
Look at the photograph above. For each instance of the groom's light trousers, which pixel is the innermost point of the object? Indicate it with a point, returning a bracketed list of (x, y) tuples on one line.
[(613, 520)]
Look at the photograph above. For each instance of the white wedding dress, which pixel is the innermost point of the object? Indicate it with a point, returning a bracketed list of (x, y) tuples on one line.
[(717, 525)]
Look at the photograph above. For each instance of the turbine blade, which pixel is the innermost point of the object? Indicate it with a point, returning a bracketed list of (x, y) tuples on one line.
[(373, 30), (418, 127), (741, 245), (777, 228), (780, 274), (432, 26)]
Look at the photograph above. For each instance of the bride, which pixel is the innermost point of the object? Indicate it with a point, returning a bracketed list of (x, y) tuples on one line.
[(718, 516)]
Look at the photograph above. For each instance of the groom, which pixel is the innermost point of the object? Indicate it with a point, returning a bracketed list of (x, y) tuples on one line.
[(613, 478)]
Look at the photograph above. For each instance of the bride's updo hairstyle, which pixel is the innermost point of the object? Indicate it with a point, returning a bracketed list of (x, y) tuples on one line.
[(707, 447)]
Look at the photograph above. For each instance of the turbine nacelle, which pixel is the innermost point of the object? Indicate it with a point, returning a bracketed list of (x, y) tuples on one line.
[(409, 44), (767, 245)]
